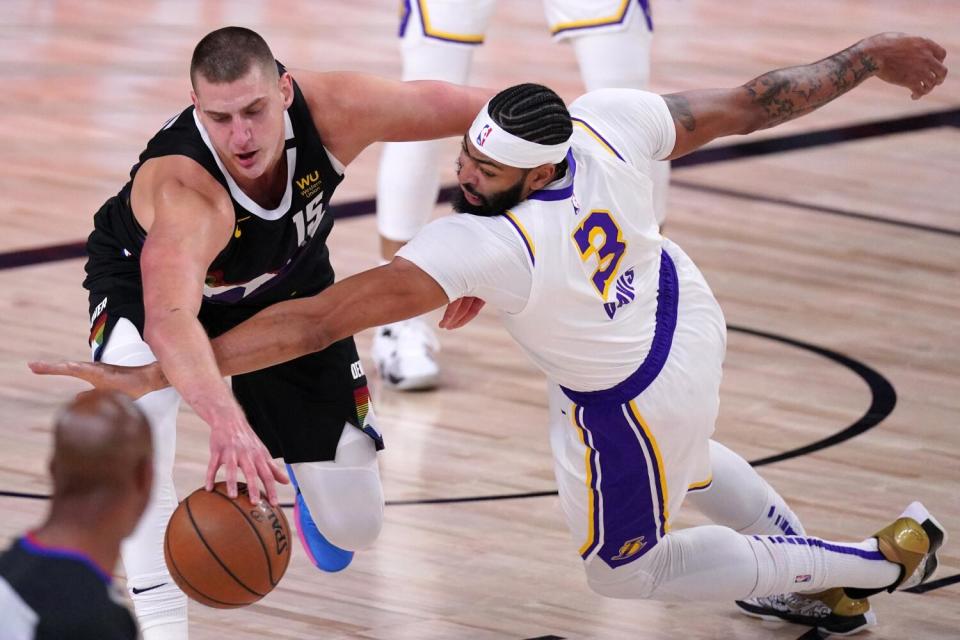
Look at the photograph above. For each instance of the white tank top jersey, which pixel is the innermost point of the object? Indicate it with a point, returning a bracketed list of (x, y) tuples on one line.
[(574, 268)]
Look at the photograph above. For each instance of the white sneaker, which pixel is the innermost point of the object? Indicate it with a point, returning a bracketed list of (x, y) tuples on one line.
[(404, 355)]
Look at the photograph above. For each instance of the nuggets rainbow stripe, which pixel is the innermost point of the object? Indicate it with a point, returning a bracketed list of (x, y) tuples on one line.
[(361, 396), (96, 331)]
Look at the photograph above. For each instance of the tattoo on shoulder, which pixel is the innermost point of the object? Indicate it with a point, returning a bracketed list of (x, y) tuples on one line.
[(680, 110)]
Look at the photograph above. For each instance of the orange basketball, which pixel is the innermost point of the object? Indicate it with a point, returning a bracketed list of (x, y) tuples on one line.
[(225, 552)]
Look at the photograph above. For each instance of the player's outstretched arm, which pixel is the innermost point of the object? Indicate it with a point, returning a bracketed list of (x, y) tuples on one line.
[(778, 96), (192, 220), (353, 110), (287, 330)]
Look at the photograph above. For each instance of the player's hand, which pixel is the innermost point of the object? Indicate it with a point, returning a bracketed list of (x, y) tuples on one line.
[(908, 61), (460, 312), (233, 444), (133, 381)]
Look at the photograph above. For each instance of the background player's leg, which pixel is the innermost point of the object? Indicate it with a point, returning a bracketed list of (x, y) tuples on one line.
[(408, 180), (161, 607), (622, 59), (344, 497)]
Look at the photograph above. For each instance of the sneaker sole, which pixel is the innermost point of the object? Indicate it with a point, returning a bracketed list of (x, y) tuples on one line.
[(869, 619)]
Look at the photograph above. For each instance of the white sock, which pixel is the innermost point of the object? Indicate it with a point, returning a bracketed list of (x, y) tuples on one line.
[(802, 563)]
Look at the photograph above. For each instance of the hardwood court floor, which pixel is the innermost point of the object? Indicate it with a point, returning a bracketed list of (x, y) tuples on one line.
[(851, 247)]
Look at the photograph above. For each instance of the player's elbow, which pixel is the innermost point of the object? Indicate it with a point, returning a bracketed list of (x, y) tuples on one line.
[(746, 114), (155, 333)]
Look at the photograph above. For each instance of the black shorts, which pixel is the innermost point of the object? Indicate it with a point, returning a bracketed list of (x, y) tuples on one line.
[(297, 408)]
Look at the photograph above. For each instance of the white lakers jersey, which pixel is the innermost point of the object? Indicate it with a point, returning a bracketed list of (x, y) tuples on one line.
[(574, 268)]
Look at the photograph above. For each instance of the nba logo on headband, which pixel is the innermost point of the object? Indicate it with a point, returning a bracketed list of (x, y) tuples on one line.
[(509, 149), (483, 135)]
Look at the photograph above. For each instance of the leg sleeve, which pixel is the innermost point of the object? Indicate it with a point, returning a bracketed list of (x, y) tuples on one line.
[(161, 611)]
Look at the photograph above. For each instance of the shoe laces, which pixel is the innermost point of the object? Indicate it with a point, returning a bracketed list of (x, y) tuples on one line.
[(795, 603)]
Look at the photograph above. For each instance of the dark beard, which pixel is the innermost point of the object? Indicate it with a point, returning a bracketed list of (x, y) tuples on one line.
[(489, 206)]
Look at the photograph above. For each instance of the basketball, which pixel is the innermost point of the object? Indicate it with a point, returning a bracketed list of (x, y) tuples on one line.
[(225, 552)]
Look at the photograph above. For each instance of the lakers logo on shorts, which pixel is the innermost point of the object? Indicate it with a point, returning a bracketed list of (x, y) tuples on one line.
[(630, 548)]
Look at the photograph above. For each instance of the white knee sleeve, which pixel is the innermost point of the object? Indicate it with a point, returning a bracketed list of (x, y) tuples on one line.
[(407, 186), (740, 499), (615, 59), (344, 496), (164, 607)]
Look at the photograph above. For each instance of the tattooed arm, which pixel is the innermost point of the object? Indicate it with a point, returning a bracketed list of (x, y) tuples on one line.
[(785, 94)]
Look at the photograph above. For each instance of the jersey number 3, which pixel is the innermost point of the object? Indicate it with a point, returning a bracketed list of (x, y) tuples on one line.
[(600, 234)]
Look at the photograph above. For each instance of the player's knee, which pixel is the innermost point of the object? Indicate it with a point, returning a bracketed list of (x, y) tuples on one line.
[(348, 511), (354, 531), (635, 580)]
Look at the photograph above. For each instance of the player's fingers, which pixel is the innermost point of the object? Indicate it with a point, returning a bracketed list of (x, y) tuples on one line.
[(251, 475), (81, 370), (230, 465), (475, 306), (279, 474), (469, 312), (212, 468), (43, 368), (939, 72), (938, 52), (265, 472), (450, 313)]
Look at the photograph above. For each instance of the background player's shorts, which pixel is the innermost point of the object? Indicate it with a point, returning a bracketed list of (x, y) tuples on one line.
[(625, 464), (451, 21), (570, 18)]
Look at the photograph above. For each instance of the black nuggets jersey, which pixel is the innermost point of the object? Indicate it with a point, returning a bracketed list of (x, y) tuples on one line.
[(297, 408), (273, 254), (50, 594)]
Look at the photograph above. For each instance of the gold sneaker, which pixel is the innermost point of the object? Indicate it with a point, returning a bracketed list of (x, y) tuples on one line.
[(830, 611), (912, 542)]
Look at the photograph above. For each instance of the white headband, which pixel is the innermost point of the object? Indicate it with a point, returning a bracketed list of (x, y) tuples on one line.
[(506, 148)]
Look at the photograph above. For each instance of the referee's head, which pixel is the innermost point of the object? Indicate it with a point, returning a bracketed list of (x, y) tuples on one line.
[(102, 463)]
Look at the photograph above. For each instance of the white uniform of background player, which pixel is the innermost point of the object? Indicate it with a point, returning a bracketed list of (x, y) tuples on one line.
[(611, 39), (631, 339)]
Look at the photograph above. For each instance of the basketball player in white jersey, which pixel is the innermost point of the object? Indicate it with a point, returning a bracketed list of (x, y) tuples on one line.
[(611, 40), (564, 243)]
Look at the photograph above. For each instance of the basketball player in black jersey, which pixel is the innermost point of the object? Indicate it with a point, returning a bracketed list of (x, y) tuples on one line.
[(225, 214), (55, 581)]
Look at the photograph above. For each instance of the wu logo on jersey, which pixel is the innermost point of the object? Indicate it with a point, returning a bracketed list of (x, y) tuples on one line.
[(483, 135), (625, 294), (309, 184)]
